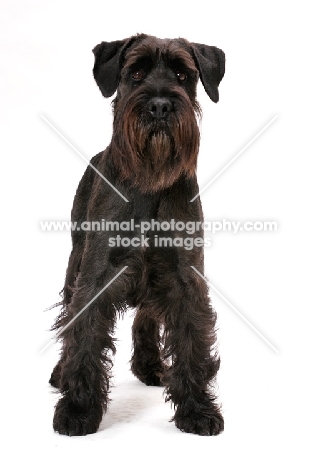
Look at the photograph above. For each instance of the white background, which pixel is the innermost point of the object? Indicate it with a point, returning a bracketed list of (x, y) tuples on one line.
[(46, 67)]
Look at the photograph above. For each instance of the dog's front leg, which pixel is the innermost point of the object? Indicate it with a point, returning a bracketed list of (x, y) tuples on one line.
[(190, 338), (88, 345)]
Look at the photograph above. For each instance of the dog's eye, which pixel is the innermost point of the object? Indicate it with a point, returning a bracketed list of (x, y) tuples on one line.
[(138, 75), (181, 76)]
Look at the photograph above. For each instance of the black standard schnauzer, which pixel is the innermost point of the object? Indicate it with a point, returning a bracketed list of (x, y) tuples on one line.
[(150, 162)]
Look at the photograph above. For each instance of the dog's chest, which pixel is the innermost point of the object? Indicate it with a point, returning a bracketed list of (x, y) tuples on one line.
[(144, 206)]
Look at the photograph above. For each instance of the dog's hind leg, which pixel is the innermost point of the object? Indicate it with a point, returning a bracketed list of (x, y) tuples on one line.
[(146, 363)]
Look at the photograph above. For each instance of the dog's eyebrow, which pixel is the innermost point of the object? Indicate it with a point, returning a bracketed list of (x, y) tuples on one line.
[(177, 56), (141, 53), (182, 56)]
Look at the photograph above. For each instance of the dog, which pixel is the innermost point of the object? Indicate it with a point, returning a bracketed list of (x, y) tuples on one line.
[(149, 172)]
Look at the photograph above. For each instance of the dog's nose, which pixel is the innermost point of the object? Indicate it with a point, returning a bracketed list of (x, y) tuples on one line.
[(159, 107)]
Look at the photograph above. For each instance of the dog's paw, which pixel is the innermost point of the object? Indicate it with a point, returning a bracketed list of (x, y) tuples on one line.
[(69, 419), (150, 377), (151, 380), (201, 423)]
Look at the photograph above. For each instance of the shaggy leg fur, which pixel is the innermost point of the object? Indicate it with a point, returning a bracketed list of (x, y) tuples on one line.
[(189, 381), (189, 340), (84, 369), (146, 363), (84, 378)]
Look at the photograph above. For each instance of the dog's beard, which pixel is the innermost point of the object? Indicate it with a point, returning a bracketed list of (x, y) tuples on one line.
[(152, 154), (154, 143)]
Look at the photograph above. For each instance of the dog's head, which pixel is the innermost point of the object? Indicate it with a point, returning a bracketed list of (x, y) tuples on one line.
[(156, 136)]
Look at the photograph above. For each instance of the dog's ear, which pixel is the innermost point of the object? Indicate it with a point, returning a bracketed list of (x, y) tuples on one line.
[(210, 62), (106, 68), (108, 63)]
